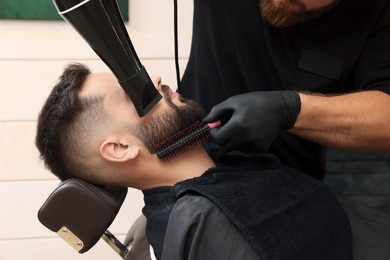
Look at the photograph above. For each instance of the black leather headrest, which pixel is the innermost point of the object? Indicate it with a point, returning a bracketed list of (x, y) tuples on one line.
[(81, 209)]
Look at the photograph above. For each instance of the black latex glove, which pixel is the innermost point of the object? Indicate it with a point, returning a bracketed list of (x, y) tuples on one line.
[(251, 121)]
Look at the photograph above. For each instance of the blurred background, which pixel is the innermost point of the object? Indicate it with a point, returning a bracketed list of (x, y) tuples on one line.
[(34, 49)]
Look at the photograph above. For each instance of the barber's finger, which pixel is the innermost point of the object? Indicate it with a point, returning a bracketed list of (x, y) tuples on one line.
[(228, 144), (224, 134), (218, 112), (214, 137)]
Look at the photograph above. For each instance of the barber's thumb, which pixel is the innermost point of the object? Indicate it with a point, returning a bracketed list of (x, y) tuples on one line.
[(211, 117), (217, 113)]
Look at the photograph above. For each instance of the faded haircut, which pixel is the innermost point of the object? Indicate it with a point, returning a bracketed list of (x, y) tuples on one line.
[(65, 122)]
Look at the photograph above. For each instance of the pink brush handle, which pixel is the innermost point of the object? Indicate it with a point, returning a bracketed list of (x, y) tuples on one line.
[(214, 124)]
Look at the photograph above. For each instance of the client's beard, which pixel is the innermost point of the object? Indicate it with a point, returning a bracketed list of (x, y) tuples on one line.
[(165, 123), (277, 14)]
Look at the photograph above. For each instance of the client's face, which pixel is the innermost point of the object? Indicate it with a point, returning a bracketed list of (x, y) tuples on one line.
[(170, 115), (175, 114), (284, 13)]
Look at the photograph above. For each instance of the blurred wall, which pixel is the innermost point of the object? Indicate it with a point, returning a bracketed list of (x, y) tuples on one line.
[(32, 56)]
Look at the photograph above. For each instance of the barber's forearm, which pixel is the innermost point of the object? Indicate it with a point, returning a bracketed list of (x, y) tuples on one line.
[(355, 122)]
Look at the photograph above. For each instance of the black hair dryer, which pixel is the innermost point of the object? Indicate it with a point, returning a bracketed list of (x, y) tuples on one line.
[(100, 23)]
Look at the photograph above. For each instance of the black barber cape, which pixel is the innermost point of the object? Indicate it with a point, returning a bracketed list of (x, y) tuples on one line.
[(234, 50), (281, 213)]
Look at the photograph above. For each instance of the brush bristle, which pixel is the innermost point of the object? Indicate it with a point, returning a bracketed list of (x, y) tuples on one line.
[(183, 140)]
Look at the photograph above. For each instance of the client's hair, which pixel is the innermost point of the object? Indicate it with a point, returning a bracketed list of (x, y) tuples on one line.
[(66, 122)]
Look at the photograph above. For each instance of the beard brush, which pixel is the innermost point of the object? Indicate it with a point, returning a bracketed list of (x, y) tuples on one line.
[(184, 140)]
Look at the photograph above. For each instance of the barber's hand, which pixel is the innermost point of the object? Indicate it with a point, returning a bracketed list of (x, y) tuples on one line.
[(251, 121)]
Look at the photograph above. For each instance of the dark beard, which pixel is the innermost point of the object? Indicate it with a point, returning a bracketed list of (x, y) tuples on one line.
[(277, 15), (164, 124)]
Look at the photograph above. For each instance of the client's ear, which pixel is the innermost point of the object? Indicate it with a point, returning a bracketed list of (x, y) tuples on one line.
[(115, 151)]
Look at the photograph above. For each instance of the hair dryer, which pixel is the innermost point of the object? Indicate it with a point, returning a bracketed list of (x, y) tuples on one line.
[(100, 23)]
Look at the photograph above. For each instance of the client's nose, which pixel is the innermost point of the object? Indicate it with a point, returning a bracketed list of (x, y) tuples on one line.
[(156, 82)]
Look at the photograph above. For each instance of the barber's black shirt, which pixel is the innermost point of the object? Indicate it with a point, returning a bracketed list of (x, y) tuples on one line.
[(235, 51)]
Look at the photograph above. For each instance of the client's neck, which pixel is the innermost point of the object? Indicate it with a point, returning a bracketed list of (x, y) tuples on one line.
[(192, 163), (187, 165)]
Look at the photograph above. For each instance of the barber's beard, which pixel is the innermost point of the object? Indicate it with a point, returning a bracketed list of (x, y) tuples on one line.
[(281, 14), (167, 122)]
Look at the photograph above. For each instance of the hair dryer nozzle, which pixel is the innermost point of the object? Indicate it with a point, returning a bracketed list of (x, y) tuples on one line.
[(100, 23)]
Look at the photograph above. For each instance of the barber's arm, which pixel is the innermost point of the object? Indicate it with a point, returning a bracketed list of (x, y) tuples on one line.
[(251, 121), (356, 122)]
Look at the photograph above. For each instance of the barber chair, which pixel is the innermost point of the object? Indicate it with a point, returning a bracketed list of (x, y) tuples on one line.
[(80, 213)]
